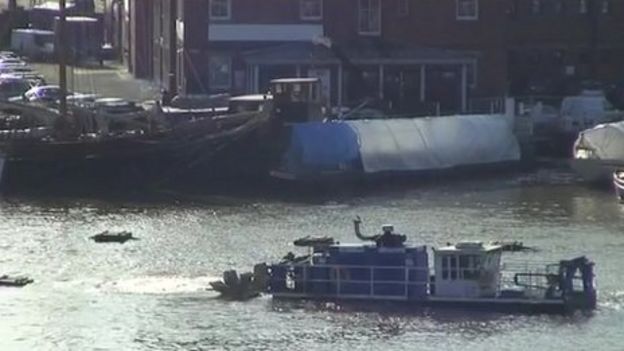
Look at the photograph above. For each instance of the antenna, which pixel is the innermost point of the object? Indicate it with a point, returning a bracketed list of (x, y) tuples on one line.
[(60, 41)]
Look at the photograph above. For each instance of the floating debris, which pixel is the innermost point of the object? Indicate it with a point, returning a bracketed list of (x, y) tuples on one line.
[(514, 246), (15, 282), (112, 237)]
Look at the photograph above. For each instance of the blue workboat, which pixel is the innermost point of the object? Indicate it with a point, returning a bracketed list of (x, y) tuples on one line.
[(383, 268)]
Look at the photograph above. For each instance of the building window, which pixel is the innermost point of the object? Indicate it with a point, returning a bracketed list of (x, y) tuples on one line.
[(582, 6), (558, 7), (369, 17), (605, 6), (220, 71), (220, 9), (536, 7), (403, 8), (311, 9), (467, 10)]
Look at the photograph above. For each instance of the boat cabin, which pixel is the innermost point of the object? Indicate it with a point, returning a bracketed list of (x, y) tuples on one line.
[(467, 270), (297, 99)]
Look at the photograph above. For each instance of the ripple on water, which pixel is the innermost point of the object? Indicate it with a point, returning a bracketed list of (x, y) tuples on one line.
[(151, 294)]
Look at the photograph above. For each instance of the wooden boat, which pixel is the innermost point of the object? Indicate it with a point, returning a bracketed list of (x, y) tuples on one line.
[(46, 147), (138, 154)]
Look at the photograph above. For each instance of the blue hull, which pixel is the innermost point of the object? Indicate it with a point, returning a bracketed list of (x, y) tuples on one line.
[(415, 307)]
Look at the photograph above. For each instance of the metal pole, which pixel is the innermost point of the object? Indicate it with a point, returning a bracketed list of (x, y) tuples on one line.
[(61, 51)]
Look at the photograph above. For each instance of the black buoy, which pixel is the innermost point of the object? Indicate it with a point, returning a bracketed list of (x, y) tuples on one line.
[(15, 282), (108, 237)]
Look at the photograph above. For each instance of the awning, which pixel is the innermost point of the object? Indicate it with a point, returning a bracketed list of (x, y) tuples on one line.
[(309, 53)]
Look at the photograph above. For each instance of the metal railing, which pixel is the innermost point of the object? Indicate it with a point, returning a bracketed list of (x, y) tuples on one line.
[(303, 279), (299, 278)]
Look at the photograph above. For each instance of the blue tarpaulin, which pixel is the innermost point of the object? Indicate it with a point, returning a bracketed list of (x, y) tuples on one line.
[(318, 147)]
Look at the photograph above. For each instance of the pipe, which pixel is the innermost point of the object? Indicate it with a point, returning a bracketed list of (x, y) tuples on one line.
[(356, 226)]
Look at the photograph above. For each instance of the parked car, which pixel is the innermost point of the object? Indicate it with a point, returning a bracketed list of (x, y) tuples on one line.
[(8, 54), (44, 93), (13, 86), (34, 78), (14, 69), (9, 61), (587, 110)]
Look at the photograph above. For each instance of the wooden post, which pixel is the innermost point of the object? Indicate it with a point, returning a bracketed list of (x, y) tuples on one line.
[(423, 84), (61, 52), (464, 88)]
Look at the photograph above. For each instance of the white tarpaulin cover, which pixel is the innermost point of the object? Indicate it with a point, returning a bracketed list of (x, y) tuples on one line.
[(606, 141), (416, 144)]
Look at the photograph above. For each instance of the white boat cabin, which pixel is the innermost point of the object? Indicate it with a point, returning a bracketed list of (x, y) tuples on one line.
[(467, 270)]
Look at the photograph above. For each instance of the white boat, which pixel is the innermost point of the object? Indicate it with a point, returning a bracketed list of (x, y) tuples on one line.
[(618, 184), (599, 152)]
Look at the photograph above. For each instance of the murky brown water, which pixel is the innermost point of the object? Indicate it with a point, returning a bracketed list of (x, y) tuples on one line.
[(150, 294)]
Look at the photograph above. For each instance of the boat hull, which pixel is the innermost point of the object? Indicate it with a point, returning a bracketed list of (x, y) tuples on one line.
[(594, 171), (492, 305), (132, 161)]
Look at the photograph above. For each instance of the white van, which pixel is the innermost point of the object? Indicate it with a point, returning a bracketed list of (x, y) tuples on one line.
[(586, 111)]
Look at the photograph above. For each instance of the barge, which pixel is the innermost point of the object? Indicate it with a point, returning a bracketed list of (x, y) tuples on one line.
[(384, 269)]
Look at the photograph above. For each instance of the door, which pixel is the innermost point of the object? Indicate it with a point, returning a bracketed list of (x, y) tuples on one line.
[(324, 75)]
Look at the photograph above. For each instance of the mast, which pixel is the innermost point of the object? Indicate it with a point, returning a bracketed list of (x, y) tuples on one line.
[(62, 59)]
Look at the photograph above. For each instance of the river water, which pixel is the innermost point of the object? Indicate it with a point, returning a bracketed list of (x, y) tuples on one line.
[(150, 294)]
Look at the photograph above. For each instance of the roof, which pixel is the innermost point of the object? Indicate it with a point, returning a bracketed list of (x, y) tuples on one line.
[(52, 6), (469, 246), (80, 19), (302, 53), (253, 97), (294, 80)]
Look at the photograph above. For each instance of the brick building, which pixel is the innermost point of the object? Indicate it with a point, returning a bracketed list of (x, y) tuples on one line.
[(408, 54)]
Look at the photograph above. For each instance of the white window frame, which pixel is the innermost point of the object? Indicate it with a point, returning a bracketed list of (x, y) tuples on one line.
[(463, 17), (211, 82), (536, 7), (605, 7), (361, 12), (404, 8), (583, 7), (221, 18), (305, 17)]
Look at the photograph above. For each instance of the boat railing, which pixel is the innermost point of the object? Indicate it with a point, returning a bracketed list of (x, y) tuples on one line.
[(387, 282), (535, 277)]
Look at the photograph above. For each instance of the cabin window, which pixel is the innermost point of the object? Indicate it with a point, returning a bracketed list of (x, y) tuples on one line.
[(311, 9), (469, 266), (445, 272), (467, 10), (369, 22), (219, 69), (220, 9), (453, 267)]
